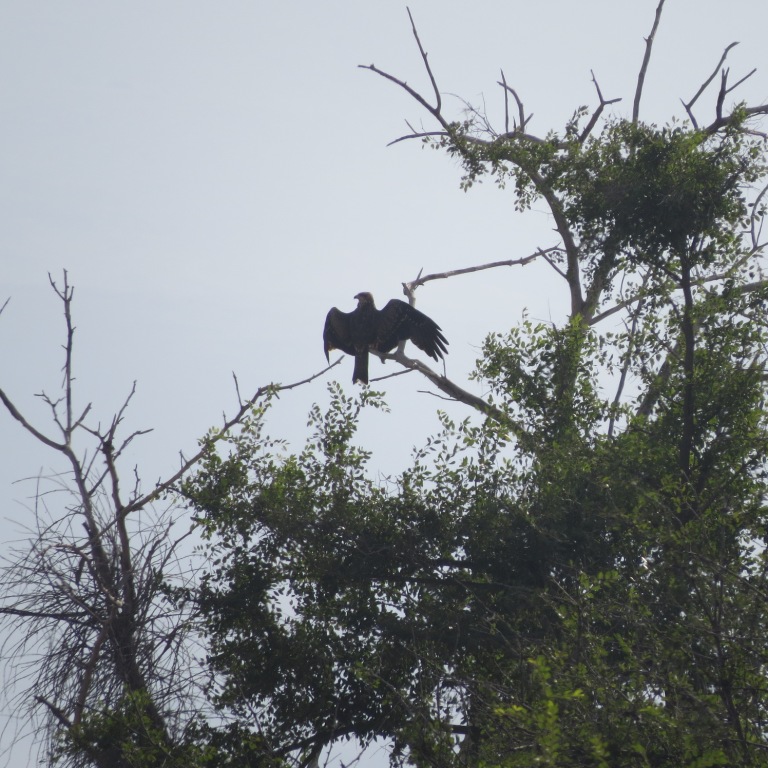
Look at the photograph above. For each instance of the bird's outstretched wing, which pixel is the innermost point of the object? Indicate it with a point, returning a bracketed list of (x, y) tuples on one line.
[(336, 334), (399, 321)]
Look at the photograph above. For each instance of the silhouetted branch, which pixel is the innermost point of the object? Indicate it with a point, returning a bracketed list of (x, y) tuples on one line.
[(523, 120), (90, 607), (603, 103), (261, 393), (412, 285), (722, 120), (646, 61), (457, 393), (689, 105), (438, 100)]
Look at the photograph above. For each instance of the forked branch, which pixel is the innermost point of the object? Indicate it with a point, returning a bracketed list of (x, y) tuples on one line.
[(603, 103), (436, 110), (689, 105)]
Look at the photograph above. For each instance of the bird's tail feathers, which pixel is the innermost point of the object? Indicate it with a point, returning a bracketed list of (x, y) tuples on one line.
[(361, 368)]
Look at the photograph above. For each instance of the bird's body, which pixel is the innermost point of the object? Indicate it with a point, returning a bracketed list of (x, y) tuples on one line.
[(368, 329)]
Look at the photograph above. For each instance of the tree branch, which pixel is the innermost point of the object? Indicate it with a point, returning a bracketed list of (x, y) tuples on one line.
[(598, 111), (689, 106), (412, 285), (11, 408), (455, 392), (646, 61), (722, 120), (262, 392), (438, 99), (523, 120)]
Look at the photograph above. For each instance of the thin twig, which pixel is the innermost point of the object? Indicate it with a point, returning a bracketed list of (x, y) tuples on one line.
[(24, 423), (455, 392), (237, 389), (262, 392), (417, 135), (739, 82)]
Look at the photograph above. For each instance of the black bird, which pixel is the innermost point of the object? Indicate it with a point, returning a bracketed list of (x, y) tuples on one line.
[(380, 330)]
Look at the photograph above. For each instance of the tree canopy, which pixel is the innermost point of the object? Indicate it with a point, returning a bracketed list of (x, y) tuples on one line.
[(580, 578)]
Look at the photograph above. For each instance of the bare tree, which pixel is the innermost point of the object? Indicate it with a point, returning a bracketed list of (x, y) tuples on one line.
[(93, 640)]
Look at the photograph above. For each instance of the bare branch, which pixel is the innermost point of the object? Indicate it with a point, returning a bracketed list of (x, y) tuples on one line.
[(65, 294), (506, 102), (410, 287), (237, 389), (689, 105), (417, 135), (646, 60), (545, 255), (55, 711), (721, 93), (391, 375), (438, 100), (739, 82), (523, 120), (455, 392), (24, 423), (603, 103), (261, 393), (712, 278), (631, 335), (434, 111)]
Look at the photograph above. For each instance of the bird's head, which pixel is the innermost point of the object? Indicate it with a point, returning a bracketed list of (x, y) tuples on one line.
[(364, 298)]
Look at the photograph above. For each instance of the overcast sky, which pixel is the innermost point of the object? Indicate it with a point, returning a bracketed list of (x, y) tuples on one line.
[(215, 176)]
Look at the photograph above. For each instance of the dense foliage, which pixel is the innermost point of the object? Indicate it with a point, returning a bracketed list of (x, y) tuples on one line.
[(579, 582)]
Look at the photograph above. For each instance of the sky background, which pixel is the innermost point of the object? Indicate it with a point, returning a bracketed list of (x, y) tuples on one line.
[(215, 176)]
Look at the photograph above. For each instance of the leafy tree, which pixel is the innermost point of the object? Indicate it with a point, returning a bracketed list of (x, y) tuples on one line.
[(579, 579)]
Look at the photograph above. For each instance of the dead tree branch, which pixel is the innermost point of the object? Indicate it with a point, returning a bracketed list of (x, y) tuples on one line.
[(646, 60), (436, 110), (268, 390), (689, 105), (522, 119), (603, 103), (412, 285), (89, 608)]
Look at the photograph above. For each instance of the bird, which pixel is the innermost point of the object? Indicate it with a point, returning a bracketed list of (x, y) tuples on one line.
[(366, 329)]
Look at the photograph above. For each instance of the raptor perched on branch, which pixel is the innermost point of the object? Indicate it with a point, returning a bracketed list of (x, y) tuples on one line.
[(380, 330)]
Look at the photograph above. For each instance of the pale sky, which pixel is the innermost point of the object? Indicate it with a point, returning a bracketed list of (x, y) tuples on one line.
[(215, 176)]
